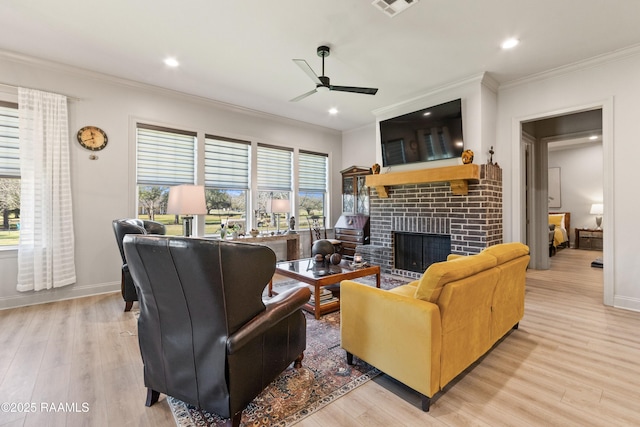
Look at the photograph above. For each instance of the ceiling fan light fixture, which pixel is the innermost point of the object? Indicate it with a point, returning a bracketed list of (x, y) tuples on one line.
[(321, 88)]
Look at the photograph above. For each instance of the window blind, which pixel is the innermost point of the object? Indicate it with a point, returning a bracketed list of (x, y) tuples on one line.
[(226, 163), (274, 168), (165, 156), (312, 171), (9, 141)]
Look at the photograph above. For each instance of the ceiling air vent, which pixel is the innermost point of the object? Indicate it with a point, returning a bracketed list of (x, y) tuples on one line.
[(393, 7)]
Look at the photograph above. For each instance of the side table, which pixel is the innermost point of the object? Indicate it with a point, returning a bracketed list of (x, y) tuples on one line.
[(588, 239)]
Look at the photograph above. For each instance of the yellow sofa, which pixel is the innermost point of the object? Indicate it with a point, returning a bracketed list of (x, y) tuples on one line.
[(428, 331)]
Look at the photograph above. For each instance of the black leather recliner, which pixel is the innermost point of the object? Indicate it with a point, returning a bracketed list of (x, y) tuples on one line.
[(121, 227), (205, 334)]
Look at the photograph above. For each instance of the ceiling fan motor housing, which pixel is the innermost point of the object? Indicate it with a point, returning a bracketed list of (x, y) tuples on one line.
[(323, 51)]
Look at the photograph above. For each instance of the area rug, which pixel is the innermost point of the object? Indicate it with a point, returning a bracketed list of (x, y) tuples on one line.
[(297, 393)]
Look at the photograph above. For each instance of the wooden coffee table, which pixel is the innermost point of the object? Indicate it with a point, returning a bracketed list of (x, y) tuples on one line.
[(322, 274)]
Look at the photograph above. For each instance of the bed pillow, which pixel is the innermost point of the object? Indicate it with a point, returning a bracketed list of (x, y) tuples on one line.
[(557, 220)]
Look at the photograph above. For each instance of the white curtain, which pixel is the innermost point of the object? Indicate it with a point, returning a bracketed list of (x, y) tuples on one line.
[(46, 246)]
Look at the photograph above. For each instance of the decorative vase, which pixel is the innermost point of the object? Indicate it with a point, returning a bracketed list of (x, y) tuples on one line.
[(467, 157), (223, 233), (335, 258)]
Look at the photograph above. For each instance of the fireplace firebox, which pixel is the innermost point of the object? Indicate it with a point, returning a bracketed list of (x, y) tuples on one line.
[(417, 251)]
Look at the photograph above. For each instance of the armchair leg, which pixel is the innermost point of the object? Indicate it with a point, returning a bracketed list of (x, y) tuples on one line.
[(349, 358), (516, 326), (298, 362), (152, 397), (426, 403), (128, 305)]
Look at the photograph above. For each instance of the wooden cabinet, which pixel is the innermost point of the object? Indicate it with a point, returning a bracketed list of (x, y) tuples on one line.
[(588, 239), (352, 230), (355, 193)]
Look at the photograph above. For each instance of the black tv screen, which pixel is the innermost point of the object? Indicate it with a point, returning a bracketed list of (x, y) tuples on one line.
[(433, 133)]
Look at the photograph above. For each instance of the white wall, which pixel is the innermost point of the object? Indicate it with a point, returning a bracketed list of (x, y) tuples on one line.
[(580, 182), (104, 189), (359, 146), (613, 84)]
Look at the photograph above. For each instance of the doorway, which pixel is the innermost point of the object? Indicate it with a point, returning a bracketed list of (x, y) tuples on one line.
[(563, 162)]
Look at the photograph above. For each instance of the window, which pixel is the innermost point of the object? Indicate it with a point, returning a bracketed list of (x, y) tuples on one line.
[(274, 182), (226, 180), (164, 157), (312, 187), (9, 175)]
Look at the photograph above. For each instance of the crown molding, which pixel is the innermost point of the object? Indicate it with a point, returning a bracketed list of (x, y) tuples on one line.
[(107, 78), (477, 78), (596, 61)]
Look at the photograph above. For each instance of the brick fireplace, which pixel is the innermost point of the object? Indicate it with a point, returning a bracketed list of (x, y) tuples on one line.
[(472, 220)]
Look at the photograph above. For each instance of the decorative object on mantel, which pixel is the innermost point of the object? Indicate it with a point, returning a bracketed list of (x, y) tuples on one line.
[(467, 157), (375, 168), (491, 155)]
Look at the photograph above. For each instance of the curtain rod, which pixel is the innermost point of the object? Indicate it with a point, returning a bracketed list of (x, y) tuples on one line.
[(73, 98)]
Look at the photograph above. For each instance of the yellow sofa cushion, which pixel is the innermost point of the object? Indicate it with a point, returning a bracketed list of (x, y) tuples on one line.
[(408, 290), (440, 273), (507, 251)]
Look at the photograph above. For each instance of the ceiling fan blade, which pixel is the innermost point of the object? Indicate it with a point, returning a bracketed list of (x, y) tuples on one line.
[(303, 96), (364, 90), (307, 69)]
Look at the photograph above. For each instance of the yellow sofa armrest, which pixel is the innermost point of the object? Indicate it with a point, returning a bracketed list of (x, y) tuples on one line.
[(397, 334)]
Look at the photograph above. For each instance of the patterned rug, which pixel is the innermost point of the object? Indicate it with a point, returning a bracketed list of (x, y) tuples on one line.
[(297, 393)]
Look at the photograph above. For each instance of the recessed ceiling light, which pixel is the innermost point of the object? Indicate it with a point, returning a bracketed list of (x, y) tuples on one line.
[(510, 43), (593, 137), (171, 62), (428, 113), (333, 111)]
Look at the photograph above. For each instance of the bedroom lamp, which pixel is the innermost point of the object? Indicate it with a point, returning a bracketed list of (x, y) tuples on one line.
[(597, 209), (187, 200), (279, 206)]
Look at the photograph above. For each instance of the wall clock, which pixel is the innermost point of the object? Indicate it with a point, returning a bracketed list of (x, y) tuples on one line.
[(92, 138)]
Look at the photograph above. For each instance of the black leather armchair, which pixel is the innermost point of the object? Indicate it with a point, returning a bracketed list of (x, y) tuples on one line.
[(121, 227), (206, 336)]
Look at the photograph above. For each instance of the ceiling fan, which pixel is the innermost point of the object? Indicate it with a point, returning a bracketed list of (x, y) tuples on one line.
[(322, 82)]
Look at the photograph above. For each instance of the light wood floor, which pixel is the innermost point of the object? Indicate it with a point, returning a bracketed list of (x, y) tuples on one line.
[(572, 362)]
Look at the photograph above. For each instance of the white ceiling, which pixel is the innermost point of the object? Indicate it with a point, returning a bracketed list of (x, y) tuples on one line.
[(240, 52)]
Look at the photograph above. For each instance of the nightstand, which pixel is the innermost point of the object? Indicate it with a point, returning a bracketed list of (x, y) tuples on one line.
[(589, 239)]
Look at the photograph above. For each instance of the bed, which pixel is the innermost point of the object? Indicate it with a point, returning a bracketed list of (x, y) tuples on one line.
[(562, 224)]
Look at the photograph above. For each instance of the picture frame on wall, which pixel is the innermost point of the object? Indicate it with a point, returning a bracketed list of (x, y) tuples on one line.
[(554, 188)]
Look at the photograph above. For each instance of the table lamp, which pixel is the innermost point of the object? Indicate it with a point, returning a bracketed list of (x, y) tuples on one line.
[(187, 200), (597, 209), (279, 206)]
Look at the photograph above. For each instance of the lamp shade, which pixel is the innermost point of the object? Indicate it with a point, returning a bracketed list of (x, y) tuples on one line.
[(280, 205), (187, 200), (596, 209)]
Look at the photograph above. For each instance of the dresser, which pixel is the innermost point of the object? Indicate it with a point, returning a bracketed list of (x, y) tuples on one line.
[(589, 239)]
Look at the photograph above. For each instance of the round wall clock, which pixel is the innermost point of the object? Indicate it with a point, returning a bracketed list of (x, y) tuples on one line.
[(92, 138)]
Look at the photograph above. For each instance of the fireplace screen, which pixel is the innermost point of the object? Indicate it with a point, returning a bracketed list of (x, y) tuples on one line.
[(417, 251)]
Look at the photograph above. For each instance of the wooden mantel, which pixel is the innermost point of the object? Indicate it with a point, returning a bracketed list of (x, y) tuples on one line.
[(457, 176)]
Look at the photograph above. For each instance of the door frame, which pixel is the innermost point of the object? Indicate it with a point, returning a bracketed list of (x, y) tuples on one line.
[(519, 194)]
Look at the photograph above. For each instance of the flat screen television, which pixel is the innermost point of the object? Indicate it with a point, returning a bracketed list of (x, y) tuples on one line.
[(433, 133)]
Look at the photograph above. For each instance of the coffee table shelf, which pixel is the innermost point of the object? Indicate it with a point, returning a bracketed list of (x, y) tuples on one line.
[(322, 274)]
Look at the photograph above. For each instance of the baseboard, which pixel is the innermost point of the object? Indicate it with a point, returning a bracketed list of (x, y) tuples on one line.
[(632, 304), (57, 294)]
